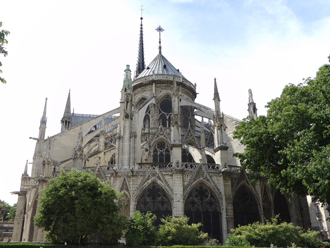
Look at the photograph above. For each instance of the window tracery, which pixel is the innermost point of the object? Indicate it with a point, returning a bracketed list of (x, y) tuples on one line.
[(202, 206), (154, 199), (161, 153), (165, 112)]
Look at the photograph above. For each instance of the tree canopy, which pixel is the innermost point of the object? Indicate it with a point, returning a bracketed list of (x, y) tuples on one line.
[(7, 212), (291, 145), (3, 41), (77, 208)]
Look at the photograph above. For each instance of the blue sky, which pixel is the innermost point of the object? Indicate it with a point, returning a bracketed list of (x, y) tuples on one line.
[(84, 46)]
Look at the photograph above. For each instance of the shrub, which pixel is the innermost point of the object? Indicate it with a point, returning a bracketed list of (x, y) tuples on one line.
[(177, 231), (281, 235), (233, 240), (141, 229)]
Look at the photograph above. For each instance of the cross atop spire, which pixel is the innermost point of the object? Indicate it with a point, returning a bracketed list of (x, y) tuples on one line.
[(159, 29), (140, 65)]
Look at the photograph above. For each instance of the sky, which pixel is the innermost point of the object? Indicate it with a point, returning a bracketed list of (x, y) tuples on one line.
[(84, 46)]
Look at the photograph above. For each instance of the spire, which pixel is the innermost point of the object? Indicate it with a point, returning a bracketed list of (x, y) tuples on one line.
[(140, 65), (216, 100), (26, 167), (252, 107), (67, 110), (67, 118), (43, 121), (44, 118), (216, 92), (159, 29)]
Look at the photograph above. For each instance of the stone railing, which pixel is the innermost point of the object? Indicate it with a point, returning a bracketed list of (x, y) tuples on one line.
[(209, 167)]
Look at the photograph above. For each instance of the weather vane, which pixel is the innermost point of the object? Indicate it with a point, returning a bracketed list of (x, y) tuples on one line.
[(159, 29)]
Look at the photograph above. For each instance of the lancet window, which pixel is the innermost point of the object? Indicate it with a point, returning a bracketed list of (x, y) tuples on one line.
[(165, 111), (281, 207), (245, 208), (161, 153), (202, 206), (186, 116), (155, 199), (146, 119), (113, 159)]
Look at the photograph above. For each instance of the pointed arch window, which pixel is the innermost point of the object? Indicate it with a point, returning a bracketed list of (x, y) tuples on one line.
[(161, 153), (113, 159), (154, 199), (202, 206), (245, 208), (186, 156), (146, 119), (165, 112), (281, 207), (186, 116)]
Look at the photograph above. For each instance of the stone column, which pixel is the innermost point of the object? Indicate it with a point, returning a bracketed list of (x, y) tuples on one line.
[(178, 204), (228, 220)]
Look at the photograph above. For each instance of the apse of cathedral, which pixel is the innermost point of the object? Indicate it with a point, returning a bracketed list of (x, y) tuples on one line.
[(164, 151)]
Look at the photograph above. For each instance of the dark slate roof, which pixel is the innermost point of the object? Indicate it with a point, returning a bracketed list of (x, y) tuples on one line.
[(160, 65), (78, 119)]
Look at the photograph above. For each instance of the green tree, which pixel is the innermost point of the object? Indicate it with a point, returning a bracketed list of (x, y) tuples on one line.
[(3, 41), (141, 229), (177, 231), (77, 207), (291, 145), (8, 212)]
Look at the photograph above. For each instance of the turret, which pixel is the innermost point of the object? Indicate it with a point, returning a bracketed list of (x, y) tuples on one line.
[(252, 107), (67, 118)]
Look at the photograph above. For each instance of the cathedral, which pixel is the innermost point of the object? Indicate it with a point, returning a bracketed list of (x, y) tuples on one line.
[(165, 152)]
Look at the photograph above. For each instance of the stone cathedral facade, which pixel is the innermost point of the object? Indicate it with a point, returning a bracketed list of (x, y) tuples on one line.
[(165, 152)]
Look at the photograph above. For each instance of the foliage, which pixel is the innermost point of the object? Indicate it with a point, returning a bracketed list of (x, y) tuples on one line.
[(3, 41), (8, 212), (233, 240), (77, 206), (141, 229), (177, 231), (291, 145), (281, 235)]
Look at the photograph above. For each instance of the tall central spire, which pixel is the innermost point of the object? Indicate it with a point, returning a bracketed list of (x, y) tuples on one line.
[(140, 65), (159, 29)]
